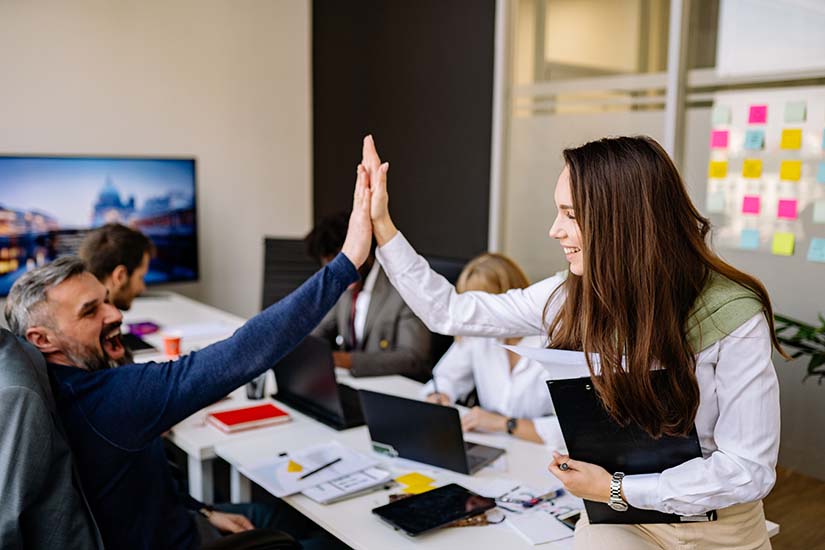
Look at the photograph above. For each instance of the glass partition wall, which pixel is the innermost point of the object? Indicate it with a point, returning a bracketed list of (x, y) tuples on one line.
[(577, 70)]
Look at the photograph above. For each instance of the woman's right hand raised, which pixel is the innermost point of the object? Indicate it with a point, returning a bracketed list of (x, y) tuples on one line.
[(383, 227)]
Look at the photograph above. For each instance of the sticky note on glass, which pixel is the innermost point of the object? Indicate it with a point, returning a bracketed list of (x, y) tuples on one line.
[(782, 244), (795, 111), (718, 169), (819, 211), (721, 115), (716, 202), (758, 114), (786, 209), (820, 172), (719, 139), (816, 252), (752, 168), (791, 138), (749, 239), (755, 139), (750, 204), (790, 170)]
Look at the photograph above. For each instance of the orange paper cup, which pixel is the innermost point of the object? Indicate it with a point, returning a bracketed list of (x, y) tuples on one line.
[(171, 345)]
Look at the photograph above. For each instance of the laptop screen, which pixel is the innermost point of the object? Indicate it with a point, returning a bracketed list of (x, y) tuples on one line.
[(308, 374)]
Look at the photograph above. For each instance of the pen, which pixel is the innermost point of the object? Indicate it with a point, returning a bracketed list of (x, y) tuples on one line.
[(319, 468)]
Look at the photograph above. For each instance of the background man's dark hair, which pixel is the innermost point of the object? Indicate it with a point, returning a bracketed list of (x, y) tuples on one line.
[(111, 245), (327, 237)]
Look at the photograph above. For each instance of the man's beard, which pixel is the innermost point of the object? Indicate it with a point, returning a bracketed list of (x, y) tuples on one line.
[(89, 357)]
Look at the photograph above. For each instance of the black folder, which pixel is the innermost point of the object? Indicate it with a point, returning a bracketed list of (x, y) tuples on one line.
[(591, 435)]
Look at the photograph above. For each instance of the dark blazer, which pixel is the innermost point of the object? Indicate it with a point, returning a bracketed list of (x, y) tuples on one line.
[(395, 341), (40, 504)]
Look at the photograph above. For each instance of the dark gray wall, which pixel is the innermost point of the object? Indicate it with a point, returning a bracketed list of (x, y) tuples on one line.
[(418, 75)]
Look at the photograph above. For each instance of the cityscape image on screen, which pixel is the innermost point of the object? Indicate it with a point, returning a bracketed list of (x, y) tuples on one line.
[(48, 204)]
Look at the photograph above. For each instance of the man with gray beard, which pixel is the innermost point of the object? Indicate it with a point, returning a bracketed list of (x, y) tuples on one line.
[(114, 417)]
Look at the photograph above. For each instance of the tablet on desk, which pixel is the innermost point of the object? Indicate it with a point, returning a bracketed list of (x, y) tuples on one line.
[(427, 511)]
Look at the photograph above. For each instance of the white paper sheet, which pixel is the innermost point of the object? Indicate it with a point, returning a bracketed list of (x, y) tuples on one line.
[(272, 474), (560, 364), (539, 525)]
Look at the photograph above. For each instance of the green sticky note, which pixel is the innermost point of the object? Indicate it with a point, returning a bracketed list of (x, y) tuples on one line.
[(795, 111), (819, 211), (721, 115), (816, 252), (782, 244), (716, 202)]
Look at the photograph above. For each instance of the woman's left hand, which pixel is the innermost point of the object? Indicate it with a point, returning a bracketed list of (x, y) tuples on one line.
[(485, 421), (582, 479)]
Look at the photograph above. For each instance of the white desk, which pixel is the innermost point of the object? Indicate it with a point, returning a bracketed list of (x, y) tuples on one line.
[(351, 520)]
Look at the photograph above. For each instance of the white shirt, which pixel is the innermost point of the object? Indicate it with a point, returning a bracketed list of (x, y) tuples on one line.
[(362, 302), (518, 393), (738, 416)]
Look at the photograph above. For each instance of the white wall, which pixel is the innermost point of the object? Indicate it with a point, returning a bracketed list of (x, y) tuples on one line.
[(225, 81)]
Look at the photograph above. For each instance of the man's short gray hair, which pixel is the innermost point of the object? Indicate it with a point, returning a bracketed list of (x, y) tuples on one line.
[(28, 294)]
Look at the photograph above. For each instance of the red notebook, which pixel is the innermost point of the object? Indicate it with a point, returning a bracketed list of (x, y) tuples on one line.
[(235, 420)]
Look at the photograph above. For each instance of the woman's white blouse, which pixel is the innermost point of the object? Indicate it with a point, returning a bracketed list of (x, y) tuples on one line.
[(738, 416), (482, 363)]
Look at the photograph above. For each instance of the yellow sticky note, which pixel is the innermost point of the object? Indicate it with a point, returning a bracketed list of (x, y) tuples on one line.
[(752, 168), (782, 244), (413, 479), (294, 467), (718, 169), (791, 139), (418, 489), (790, 170)]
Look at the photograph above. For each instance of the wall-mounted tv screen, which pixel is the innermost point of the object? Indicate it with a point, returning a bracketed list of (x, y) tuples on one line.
[(48, 204)]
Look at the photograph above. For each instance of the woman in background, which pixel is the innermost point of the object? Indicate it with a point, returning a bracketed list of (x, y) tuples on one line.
[(512, 395)]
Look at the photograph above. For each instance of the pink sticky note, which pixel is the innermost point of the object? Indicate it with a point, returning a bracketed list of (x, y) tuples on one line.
[(758, 114), (786, 209), (719, 139), (750, 204)]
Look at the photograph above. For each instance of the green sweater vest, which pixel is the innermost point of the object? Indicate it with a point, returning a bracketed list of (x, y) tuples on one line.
[(721, 308)]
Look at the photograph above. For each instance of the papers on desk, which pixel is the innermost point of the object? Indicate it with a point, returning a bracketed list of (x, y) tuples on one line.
[(349, 486), (539, 524), (282, 475), (560, 364)]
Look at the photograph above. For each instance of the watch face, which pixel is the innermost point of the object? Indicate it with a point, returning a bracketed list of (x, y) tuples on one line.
[(618, 506)]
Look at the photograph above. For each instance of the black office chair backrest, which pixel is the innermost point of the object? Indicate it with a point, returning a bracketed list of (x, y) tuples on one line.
[(450, 269), (286, 267)]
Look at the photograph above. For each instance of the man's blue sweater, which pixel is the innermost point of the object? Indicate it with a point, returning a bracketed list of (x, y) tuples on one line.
[(114, 418)]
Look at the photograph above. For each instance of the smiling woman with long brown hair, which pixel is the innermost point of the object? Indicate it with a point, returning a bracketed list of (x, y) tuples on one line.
[(645, 291)]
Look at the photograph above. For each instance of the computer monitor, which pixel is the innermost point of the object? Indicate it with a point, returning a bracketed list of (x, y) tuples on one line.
[(49, 203)]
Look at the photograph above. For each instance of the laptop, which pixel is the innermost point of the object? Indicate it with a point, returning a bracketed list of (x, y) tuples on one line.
[(306, 382), (424, 432), (591, 435)]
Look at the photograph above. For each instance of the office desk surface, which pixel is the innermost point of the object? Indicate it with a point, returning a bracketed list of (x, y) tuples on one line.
[(352, 520)]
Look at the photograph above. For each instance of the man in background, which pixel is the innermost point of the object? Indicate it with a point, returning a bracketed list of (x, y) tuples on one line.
[(371, 328), (119, 257)]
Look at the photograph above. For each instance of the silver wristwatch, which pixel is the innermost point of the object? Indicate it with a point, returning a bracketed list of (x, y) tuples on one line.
[(616, 500)]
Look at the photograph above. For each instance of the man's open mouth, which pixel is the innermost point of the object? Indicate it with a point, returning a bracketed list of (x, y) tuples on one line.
[(111, 343)]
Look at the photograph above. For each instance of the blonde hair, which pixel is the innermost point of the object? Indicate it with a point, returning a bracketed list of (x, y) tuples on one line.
[(493, 273)]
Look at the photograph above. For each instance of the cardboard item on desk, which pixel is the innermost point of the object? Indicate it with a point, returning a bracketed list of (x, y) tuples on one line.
[(235, 420)]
